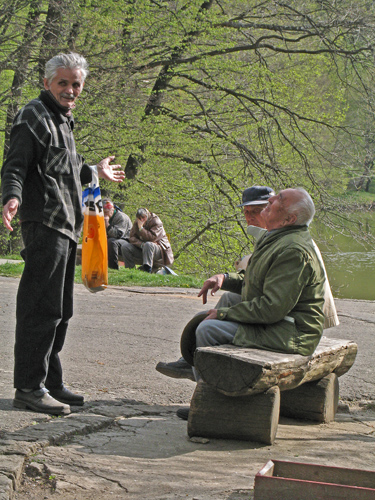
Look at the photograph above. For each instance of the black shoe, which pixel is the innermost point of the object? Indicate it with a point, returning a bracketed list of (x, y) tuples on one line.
[(183, 413), (63, 395), (39, 401), (145, 268), (176, 369)]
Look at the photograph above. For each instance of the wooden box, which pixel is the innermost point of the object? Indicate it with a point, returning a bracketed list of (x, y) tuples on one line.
[(279, 480)]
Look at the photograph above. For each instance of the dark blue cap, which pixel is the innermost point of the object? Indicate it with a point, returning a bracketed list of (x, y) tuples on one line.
[(256, 195)]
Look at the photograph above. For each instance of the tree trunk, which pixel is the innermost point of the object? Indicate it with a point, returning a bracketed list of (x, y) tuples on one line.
[(253, 418), (239, 371), (21, 68), (161, 83), (51, 34)]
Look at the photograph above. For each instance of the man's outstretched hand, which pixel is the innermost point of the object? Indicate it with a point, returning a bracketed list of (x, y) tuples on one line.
[(110, 172), (214, 283)]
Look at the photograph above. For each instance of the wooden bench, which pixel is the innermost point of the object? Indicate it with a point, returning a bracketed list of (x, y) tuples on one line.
[(243, 391)]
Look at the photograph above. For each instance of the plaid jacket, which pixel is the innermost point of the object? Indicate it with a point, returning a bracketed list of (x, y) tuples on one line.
[(43, 170)]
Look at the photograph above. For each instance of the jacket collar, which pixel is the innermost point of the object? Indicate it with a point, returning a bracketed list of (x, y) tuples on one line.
[(270, 237), (61, 111)]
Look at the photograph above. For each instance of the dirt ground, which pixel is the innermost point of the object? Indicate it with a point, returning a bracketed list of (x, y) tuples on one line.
[(126, 441), (149, 457)]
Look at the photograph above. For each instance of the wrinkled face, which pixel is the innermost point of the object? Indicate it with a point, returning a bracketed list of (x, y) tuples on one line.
[(66, 86), (275, 215), (253, 215), (142, 219)]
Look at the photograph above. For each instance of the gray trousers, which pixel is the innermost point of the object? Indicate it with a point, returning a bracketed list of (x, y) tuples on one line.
[(150, 254), (212, 332)]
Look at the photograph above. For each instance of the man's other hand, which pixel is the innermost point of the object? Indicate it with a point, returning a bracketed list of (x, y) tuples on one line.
[(110, 172), (214, 283), (9, 211), (211, 314)]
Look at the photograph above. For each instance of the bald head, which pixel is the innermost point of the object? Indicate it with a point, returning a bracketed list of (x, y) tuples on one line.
[(289, 207)]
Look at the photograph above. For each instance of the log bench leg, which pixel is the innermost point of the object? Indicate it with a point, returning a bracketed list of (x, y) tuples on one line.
[(249, 418), (313, 401)]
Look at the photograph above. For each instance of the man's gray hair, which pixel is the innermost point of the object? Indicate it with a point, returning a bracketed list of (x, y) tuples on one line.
[(142, 212), (304, 208), (66, 61)]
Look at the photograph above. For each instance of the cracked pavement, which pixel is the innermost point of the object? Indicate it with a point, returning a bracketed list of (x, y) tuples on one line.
[(126, 441)]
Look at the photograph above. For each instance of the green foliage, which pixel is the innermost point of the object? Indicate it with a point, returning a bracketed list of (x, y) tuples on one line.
[(10, 242), (210, 98), (12, 270)]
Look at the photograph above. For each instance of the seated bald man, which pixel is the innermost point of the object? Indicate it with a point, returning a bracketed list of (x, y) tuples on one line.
[(254, 198), (278, 303), (280, 307)]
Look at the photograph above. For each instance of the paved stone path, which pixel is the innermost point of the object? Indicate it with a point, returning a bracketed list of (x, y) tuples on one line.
[(126, 442)]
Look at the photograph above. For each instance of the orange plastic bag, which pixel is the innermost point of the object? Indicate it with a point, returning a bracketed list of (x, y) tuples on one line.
[(94, 239)]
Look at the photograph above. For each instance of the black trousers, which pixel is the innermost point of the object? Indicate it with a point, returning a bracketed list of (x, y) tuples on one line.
[(114, 247), (44, 306)]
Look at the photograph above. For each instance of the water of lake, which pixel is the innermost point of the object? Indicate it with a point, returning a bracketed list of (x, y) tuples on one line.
[(350, 264)]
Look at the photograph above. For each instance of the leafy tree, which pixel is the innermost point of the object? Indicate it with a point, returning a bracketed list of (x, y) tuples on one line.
[(202, 99)]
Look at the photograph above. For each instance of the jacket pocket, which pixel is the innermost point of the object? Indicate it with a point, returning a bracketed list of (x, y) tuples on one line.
[(58, 162)]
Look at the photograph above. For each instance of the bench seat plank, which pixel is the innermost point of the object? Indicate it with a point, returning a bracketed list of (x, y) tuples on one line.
[(239, 371)]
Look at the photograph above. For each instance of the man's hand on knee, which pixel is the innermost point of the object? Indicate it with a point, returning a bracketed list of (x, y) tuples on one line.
[(212, 314)]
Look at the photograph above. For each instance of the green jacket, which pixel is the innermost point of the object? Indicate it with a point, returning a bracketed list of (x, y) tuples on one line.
[(282, 294)]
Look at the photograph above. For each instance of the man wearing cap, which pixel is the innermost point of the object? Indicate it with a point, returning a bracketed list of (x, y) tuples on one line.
[(254, 200), (118, 226)]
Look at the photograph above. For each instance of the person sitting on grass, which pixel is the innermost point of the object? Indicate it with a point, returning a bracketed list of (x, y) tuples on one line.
[(148, 243)]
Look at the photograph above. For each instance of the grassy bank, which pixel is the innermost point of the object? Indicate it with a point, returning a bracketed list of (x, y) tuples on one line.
[(122, 277)]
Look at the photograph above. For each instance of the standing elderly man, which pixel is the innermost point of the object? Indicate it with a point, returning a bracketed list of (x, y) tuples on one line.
[(148, 243), (42, 177), (118, 226)]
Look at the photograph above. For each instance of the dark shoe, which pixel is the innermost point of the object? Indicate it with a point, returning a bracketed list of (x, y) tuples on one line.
[(183, 413), (145, 268), (65, 396), (39, 401), (176, 369)]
